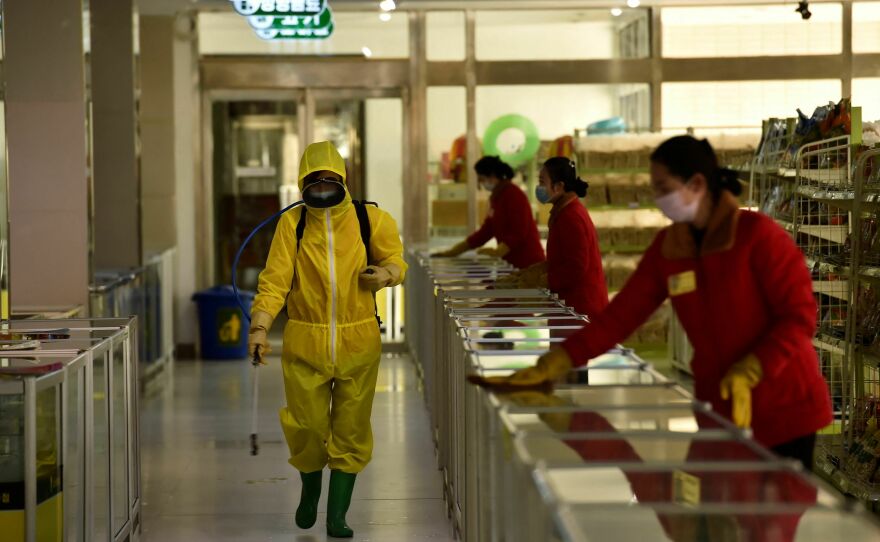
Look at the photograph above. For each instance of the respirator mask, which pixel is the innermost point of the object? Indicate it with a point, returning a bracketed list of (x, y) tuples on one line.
[(324, 193)]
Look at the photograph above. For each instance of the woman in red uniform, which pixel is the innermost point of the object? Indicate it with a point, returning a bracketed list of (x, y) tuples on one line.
[(510, 219), (574, 263), (743, 293)]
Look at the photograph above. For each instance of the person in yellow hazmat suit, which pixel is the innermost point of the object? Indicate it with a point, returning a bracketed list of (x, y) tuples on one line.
[(332, 344)]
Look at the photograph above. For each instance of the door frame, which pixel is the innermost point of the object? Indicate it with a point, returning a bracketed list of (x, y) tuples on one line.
[(305, 99)]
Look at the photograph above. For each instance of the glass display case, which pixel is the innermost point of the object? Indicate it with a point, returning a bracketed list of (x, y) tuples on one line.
[(604, 448), (677, 523), (42, 412), (83, 388), (533, 464)]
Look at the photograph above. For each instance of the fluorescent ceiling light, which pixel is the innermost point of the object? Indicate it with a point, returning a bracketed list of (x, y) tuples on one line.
[(387, 5), (616, 12), (367, 51), (633, 3), (384, 17)]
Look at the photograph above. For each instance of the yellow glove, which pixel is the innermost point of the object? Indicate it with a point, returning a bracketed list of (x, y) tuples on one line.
[(499, 252), (534, 276), (375, 278), (737, 386), (551, 367), (509, 282), (258, 336), (457, 250)]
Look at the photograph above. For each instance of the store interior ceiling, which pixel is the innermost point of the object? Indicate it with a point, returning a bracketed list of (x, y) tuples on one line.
[(164, 7)]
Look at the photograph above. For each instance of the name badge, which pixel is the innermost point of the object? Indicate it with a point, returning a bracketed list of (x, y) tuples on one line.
[(686, 488), (682, 283)]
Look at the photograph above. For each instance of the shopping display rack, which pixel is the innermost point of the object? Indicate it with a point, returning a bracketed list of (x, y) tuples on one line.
[(620, 438), (850, 456), (826, 194)]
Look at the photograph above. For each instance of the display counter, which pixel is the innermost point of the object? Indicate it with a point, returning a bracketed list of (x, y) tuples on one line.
[(71, 431), (620, 438)]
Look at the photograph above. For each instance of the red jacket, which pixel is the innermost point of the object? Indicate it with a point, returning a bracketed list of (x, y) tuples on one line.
[(510, 221), (746, 291), (574, 263)]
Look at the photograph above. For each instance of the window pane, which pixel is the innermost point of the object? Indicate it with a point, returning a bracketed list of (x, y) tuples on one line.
[(556, 110), (561, 34), (741, 104), (864, 94), (445, 34), (751, 31), (866, 27), (447, 122), (230, 34)]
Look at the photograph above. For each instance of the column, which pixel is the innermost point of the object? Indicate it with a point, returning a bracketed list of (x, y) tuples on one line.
[(415, 189), (473, 140), (159, 224), (47, 147), (117, 212)]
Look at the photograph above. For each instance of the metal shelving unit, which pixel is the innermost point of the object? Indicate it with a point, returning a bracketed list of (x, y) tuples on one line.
[(849, 457)]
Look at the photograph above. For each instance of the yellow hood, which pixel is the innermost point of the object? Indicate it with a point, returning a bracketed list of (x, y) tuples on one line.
[(321, 156)]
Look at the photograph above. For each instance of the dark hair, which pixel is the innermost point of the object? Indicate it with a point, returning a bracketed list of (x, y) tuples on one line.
[(562, 170), (492, 166), (686, 156)]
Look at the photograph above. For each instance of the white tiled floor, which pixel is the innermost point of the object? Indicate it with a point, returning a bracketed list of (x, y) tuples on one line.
[(201, 483)]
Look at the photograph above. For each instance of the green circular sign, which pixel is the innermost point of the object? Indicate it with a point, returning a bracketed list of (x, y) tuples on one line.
[(512, 122)]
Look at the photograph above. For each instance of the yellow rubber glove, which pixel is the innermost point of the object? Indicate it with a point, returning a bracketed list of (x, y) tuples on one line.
[(375, 278), (457, 250), (499, 252), (509, 282), (737, 386), (258, 336), (551, 368), (534, 276)]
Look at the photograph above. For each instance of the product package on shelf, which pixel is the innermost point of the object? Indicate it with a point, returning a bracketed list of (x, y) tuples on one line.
[(827, 122)]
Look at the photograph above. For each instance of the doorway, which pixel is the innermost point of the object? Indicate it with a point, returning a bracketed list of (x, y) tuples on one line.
[(253, 144)]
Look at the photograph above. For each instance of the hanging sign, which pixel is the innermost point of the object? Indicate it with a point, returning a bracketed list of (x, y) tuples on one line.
[(287, 19), (295, 33), (279, 7), (292, 22)]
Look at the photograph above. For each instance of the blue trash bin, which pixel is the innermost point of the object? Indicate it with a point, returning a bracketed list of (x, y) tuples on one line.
[(223, 329)]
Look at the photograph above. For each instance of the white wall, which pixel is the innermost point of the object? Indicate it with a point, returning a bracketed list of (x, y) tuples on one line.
[(742, 103), (445, 35), (545, 35), (556, 110), (229, 33), (447, 119), (751, 31), (865, 93), (866, 27), (384, 154)]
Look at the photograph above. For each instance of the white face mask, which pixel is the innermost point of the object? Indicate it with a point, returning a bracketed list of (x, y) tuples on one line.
[(676, 209)]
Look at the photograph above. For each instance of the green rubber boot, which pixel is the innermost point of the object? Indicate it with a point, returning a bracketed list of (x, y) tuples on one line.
[(307, 512), (341, 488)]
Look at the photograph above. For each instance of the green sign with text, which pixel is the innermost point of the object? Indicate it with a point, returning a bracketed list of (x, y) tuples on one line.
[(287, 19), (279, 7)]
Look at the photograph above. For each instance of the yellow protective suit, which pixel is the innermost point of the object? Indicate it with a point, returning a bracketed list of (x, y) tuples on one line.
[(332, 343)]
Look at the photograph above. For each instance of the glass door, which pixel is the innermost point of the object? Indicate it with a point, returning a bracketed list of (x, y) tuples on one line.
[(256, 149)]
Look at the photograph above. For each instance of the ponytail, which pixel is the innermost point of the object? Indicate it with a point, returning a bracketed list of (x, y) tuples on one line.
[(728, 179)]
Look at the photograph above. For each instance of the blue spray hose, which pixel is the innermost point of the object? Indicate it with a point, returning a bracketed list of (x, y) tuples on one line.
[(241, 250)]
